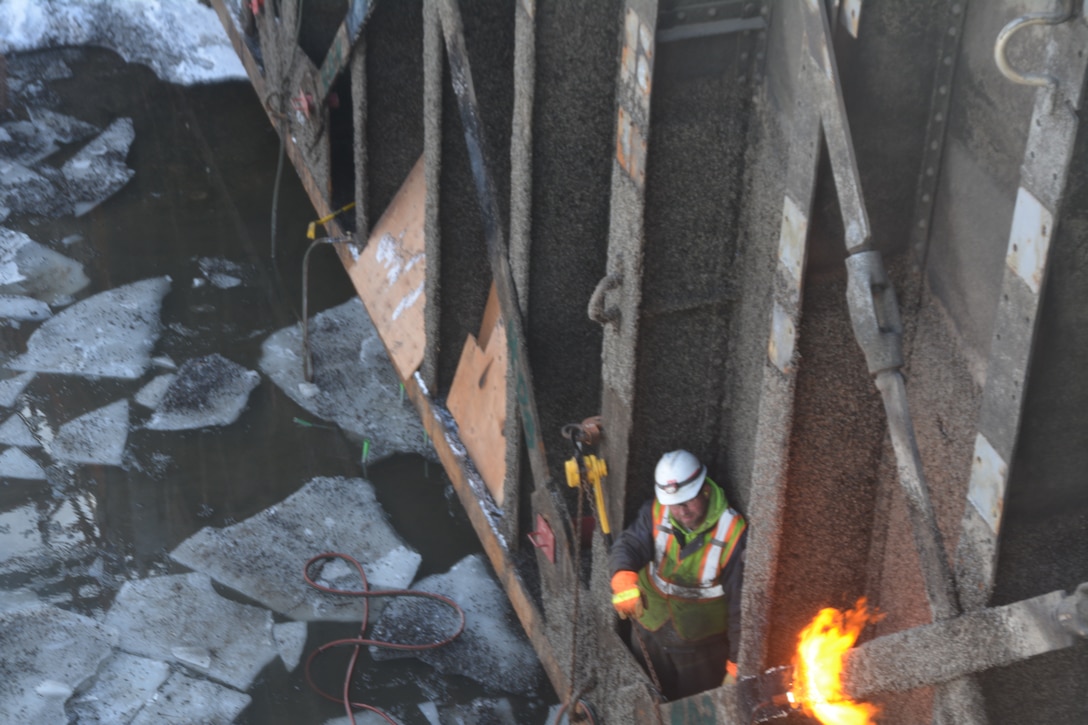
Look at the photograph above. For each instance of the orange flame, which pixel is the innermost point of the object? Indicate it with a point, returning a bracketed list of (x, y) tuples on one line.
[(817, 683)]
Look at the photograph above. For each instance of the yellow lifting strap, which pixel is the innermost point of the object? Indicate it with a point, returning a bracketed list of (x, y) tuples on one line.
[(596, 469), (311, 231)]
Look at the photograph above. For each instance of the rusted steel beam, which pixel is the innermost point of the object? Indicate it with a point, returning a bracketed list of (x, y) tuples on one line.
[(472, 492), (318, 192), (339, 54)]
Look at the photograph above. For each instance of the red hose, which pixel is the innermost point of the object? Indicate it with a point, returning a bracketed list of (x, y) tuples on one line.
[(358, 642)]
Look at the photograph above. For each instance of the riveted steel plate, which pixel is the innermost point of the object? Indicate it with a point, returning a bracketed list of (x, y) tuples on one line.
[(986, 489), (1029, 240)]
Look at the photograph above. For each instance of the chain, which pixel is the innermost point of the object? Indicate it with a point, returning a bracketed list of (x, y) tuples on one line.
[(653, 673), (574, 609)]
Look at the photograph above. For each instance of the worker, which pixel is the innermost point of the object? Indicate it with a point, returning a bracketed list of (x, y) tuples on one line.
[(676, 574)]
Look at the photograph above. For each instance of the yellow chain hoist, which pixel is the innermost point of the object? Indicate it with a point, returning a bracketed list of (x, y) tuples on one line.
[(595, 470)]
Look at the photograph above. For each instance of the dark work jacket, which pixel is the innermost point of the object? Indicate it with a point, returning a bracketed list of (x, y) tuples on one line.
[(634, 549)]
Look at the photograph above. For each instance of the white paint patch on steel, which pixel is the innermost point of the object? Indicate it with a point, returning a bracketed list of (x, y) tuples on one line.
[(1029, 240), (986, 489)]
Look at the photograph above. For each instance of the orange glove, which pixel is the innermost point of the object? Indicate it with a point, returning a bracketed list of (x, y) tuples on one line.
[(730, 673), (626, 597)]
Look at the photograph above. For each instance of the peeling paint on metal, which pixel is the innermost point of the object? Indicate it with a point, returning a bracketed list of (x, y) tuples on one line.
[(1029, 240), (783, 339), (986, 489), (791, 240)]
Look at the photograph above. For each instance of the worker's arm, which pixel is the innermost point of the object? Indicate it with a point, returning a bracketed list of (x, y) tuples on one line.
[(632, 550), (731, 579), (634, 547)]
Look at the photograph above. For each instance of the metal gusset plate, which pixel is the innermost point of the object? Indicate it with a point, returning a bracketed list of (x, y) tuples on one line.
[(487, 194)]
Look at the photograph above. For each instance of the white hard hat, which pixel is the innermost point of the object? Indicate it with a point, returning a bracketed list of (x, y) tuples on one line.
[(679, 477)]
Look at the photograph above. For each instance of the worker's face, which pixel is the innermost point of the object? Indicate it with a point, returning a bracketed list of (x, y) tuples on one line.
[(692, 513)]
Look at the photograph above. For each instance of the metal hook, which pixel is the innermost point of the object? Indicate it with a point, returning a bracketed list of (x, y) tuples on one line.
[(1029, 79)]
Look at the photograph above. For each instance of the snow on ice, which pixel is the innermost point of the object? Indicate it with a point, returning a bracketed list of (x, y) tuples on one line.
[(206, 391), (95, 437)]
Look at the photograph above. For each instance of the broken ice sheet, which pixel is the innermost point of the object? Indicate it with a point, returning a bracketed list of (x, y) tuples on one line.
[(43, 532), (98, 171), (262, 557), (28, 142), (32, 270), (109, 335), (16, 464), (25, 190), (358, 388), (23, 309), (48, 654), (290, 640), (151, 394), (182, 619), (187, 701), (207, 391), (493, 648), (13, 432), (11, 388), (95, 437), (493, 711), (123, 685), (222, 273)]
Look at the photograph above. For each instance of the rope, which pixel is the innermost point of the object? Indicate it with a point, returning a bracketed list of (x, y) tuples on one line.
[(361, 641)]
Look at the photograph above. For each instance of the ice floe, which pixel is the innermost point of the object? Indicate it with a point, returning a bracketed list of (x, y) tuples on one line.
[(98, 171), (187, 701), (182, 619), (182, 42), (262, 557), (16, 464), (28, 142), (12, 388), (95, 437), (14, 600), (13, 432), (109, 335), (25, 190), (48, 654), (206, 391), (32, 270), (290, 640), (151, 394), (37, 534), (493, 648), (124, 684), (222, 273), (23, 309), (357, 387), (493, 711)]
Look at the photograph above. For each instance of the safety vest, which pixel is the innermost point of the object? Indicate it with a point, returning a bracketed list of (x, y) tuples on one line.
[(687, 590)]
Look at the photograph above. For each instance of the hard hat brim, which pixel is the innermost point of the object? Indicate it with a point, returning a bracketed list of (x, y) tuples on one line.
[(684, 493)]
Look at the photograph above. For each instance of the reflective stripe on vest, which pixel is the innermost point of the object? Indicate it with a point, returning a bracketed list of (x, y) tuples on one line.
[(722, 542)]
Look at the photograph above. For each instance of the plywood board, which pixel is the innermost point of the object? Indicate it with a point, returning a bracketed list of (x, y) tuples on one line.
[(391, 272), (477, 398)]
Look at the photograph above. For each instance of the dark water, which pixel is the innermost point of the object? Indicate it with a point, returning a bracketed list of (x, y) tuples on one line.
[(205, 160)]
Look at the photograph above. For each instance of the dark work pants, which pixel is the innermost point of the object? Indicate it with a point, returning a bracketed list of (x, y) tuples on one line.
[(683, 667)]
